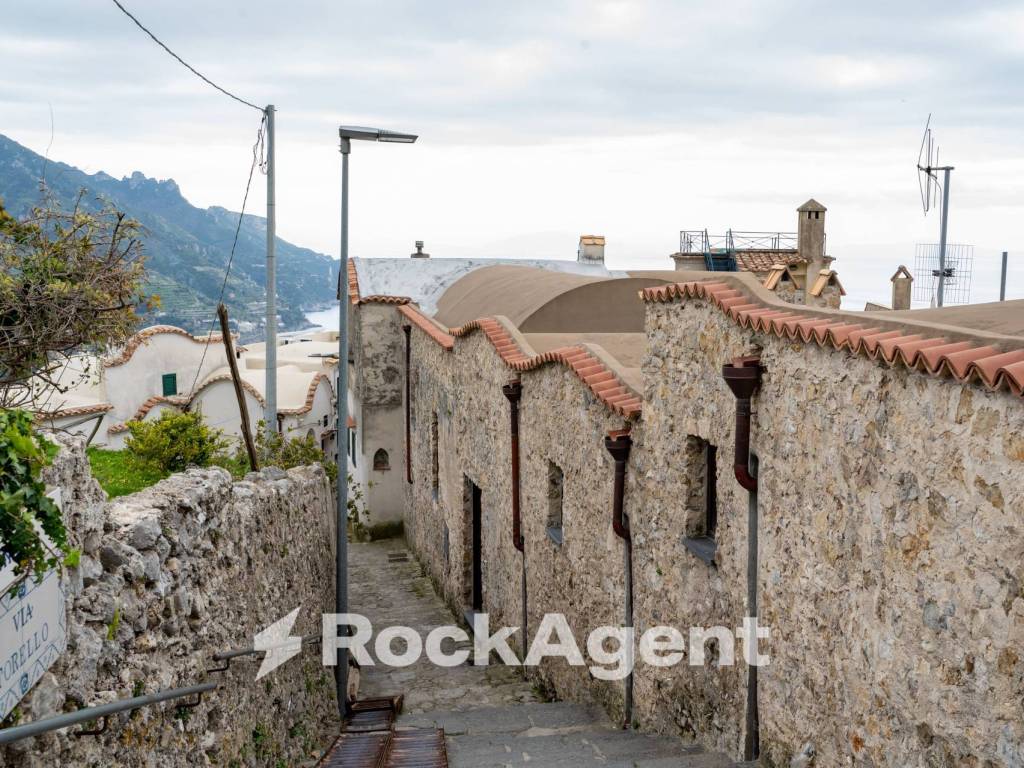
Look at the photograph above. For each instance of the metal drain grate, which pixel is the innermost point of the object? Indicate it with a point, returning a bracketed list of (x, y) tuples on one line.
[(357, 750), (398, 557), (369, 740), (419, 748)]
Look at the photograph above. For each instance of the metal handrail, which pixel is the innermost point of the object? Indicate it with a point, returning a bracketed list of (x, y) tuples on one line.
[(228, 656), (102, 711), (89, 714)]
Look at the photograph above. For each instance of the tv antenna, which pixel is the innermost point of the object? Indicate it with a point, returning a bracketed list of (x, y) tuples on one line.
[(928, 181)]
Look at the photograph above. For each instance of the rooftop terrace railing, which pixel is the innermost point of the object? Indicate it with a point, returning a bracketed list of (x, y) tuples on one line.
[(699, 241)]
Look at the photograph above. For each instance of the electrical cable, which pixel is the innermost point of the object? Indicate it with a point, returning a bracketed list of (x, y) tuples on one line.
[(181, 61), (257, 159)]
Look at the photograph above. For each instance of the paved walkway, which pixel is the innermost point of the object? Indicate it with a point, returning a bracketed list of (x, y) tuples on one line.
[(490, 715), (397, 593)]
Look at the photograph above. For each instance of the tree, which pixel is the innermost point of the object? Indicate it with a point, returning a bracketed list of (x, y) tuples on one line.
[(68, 279)]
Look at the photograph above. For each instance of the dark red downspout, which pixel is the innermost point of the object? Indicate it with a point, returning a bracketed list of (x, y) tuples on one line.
[(743, 375), (513, 390), (618, 444), (408, 402)]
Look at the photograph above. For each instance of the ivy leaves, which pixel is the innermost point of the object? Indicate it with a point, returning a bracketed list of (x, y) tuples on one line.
[(25, 509)]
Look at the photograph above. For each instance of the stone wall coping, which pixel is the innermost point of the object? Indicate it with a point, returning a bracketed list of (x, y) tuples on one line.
[(594, 366), (994, 360)]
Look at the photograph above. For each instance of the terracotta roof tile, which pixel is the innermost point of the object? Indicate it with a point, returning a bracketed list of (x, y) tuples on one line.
[(78, 410), (764, 261), (598, 377), (963, 360), (825, 278), (145, 334), (353, 283), (780, 273), (422, 322)]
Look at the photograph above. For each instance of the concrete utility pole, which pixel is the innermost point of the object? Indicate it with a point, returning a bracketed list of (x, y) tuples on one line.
[(271, 335), (1002, 279)]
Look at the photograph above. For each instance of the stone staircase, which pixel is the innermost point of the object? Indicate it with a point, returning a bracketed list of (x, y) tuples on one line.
[(557, 735)]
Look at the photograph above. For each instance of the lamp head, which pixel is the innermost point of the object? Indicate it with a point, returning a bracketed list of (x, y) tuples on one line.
[(374, 134)]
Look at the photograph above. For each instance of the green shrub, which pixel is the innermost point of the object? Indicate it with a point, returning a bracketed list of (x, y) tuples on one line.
[(23, 500), (277, 451), (175, 441)]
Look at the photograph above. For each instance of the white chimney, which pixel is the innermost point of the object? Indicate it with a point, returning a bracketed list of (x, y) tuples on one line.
[(591, 250)]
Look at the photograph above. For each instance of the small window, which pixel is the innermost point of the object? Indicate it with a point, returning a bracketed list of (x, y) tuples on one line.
[(352, 445), (434, 462), (381, 461), (170, 383), (701, 462), (556, 491), (326, 417)]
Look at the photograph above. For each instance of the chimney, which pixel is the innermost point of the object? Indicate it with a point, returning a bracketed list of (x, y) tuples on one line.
[(591, 250), (810, 240), (902, 282), (419, 252)]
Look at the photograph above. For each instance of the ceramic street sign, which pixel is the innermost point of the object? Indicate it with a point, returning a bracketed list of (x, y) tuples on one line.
[(33, 631)]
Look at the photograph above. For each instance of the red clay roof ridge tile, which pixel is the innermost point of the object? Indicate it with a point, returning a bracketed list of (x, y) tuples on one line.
[(142, 337), (924, 347), (587, 364)]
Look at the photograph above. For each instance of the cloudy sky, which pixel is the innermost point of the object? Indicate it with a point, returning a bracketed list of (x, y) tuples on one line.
[(543, 120)]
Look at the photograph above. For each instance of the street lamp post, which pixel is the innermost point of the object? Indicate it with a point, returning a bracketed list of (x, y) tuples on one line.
[(346, 134)]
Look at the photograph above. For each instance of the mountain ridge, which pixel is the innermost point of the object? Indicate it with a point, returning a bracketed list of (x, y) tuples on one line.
[(186, 247)]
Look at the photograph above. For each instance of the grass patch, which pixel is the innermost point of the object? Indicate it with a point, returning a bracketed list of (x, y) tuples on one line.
[(121, 473)]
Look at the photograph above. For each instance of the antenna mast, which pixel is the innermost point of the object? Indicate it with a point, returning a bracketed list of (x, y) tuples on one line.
[(929, 184)]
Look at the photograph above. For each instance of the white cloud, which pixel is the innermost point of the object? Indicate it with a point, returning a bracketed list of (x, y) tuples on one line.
[(540, 120)]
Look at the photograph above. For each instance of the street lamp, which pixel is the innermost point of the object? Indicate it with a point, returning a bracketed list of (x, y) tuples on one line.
[(346, 134)]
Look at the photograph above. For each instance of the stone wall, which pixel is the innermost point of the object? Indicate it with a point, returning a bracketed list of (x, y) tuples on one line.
[(560, 423), (890, 536), (169, 576), (891, 546)]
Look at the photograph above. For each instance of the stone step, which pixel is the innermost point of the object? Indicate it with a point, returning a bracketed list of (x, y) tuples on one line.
[(509, 719), (590, 747), (555, 735)]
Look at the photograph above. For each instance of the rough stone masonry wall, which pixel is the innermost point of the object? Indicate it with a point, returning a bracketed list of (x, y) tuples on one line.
[(685, 396), (169, 576), (891, 563), (462, 389), (560, 422)]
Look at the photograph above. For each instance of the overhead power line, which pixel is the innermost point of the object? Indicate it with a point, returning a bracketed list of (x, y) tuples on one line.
[(257, 159), (181, 61)]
